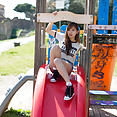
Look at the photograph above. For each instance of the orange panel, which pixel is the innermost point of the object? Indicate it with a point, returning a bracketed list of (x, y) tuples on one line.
[(102, 66)]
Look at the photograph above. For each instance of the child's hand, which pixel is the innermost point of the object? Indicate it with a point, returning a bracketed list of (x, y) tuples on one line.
[(55, 13)]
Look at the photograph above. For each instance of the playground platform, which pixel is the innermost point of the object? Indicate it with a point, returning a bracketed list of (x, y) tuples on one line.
[(102, 111)]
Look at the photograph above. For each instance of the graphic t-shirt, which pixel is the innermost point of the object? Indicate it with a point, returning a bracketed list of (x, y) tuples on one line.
[(76, 46)]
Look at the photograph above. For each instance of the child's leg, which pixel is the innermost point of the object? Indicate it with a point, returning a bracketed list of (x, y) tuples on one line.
[(63, 68), (54, 53)]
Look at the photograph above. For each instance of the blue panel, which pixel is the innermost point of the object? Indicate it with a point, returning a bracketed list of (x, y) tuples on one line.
[(76, 60), (103, 15), (54, 27), (114, 20), (63, 28)]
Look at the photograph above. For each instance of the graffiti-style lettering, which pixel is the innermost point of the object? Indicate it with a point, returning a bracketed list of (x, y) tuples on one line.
[(98, 75)]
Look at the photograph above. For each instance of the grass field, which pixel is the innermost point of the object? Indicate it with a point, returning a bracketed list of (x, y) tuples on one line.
[(17, 60)]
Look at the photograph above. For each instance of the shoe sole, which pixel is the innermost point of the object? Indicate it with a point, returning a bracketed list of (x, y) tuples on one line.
[(69, 98), (52, 81)]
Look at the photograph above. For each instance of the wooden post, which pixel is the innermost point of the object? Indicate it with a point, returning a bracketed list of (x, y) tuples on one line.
[(89, 40), (89, 49), (40, 53)]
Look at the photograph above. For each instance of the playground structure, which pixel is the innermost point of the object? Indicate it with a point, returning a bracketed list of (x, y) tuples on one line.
[(43, 88), (85, 61)]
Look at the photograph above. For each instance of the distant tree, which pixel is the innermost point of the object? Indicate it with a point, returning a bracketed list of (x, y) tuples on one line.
[(51, 6), (26, 8), (76, 7)]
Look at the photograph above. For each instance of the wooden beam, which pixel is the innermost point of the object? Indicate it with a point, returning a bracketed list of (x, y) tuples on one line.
[(103, 27), (40, 53), (65, 16)]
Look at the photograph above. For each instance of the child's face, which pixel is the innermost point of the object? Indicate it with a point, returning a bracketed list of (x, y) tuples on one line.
[(72, 32)]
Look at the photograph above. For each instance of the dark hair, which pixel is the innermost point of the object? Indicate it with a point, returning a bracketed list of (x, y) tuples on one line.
[(68, 42)]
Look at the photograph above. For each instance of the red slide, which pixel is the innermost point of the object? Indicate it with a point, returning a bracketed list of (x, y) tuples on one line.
[(48, 100)]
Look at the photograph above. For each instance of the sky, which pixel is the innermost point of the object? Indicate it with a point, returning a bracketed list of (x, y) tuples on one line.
[(11, 4)]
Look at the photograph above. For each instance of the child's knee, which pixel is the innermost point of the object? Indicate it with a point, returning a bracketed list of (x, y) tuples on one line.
[(57, 61), (53, 49)]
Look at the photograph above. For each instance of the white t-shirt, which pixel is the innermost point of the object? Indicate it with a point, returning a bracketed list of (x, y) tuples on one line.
[(76, 46)]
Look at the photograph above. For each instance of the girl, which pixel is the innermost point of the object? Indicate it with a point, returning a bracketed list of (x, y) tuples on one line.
[(62, 56)]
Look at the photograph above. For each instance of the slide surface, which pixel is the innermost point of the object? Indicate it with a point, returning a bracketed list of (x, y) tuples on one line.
[(48, 100)]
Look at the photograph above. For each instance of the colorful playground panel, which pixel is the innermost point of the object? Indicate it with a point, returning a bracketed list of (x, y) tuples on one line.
[(99, 102), (104, 49), (103, 61), (102, 66)]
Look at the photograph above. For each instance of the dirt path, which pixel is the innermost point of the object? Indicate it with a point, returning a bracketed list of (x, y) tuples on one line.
[(6, 45)]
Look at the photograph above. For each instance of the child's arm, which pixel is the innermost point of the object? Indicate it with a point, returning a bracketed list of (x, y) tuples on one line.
[(82, 47), (58, 35), (49, 29)]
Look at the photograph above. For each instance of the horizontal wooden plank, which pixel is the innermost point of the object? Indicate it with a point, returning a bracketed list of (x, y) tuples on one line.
[(65, 16), (100, 102), (94, 92), (103, 27)]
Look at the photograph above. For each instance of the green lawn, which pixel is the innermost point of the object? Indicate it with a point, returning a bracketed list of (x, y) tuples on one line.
[(17, 60)]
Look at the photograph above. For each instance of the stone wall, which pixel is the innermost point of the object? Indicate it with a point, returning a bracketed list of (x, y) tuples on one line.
[(7, 25), (22, 24), (5, 29)]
